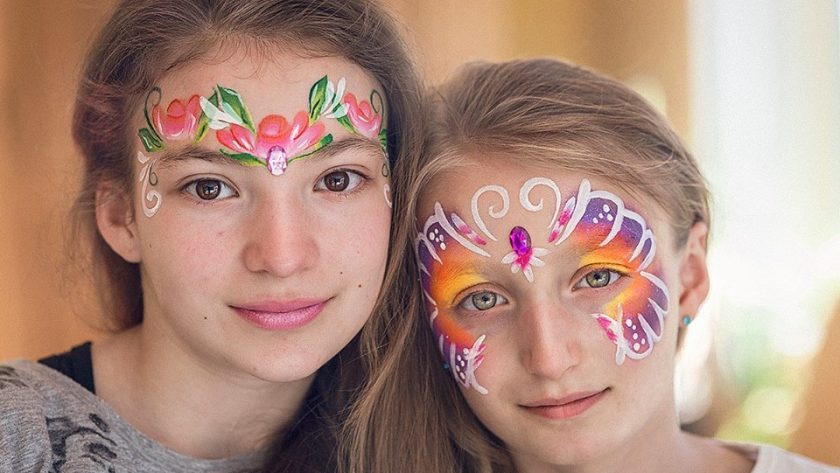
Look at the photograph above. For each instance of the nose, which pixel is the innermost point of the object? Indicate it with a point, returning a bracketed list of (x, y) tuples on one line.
[(280, 238), (550, 342)]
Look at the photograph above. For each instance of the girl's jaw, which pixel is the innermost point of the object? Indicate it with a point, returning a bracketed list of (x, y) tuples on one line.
[(543, 283), (260, 264)]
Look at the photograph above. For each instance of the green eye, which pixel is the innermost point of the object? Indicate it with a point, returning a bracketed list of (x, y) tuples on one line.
[(599, 278), (483, 300)]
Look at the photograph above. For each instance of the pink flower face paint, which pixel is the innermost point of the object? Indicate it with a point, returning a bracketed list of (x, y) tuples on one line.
[(276, 141), (593, 224)]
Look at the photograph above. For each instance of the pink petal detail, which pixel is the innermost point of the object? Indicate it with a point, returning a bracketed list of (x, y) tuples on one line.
[(236, 138), (361, 115)]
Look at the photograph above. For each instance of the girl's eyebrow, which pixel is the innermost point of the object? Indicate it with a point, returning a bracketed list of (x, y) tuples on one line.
[(173, 157), (363, 144)]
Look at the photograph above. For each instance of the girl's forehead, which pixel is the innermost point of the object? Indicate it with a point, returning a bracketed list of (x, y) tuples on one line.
[(506, 193), (457, 186), (270, 84)]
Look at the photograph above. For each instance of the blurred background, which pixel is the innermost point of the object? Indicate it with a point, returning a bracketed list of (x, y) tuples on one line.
[(753, 88)]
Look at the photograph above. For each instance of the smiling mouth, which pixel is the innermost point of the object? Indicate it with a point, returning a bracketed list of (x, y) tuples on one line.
[(281, 316), (566, 407)]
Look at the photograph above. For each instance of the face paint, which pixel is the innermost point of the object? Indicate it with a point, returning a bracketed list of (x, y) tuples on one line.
[(608, 232), (150, 200), (523, 255), (442, 243), (386, 189), (274, 142), (595, 223)]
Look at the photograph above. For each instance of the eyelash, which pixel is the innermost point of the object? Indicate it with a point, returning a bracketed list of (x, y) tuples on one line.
[(500, 300), (614, 276), (190, 188), (363, 180)]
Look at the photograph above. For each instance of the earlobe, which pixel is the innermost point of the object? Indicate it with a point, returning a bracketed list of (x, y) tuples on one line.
[(115, 221), (694, 275)]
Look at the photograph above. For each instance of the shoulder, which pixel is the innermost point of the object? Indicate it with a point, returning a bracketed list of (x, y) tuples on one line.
[(48, 422), (773, 459), (24, 441)]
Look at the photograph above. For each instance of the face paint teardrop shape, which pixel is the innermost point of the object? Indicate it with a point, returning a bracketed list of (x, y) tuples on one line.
[(520, 241)]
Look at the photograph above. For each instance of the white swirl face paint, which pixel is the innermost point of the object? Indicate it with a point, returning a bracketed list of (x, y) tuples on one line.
[(455, 254), (150, 199)]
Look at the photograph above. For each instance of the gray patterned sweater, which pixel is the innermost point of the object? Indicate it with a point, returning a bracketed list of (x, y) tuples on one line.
[(49, 423)]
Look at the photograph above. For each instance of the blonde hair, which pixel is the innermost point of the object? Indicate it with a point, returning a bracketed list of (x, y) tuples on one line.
[(412, 416)]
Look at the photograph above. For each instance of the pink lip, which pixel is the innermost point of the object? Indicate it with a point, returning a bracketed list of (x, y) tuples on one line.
[(565, 407), (281, 315)]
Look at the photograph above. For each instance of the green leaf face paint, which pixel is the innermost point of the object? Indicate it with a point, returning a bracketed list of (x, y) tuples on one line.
[(275, 141)]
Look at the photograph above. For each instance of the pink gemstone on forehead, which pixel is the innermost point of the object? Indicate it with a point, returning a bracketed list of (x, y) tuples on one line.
[(520, 241), (277, 160)]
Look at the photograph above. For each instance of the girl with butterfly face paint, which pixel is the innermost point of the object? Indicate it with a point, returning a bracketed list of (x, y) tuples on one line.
[(237, 158), (558, 232)]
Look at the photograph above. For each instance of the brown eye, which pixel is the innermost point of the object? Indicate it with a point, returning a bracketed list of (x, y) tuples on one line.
[(337, 181), (341, 181), (208, 189)]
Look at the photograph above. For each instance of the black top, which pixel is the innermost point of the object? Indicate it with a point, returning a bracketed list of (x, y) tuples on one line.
[(75, 364)]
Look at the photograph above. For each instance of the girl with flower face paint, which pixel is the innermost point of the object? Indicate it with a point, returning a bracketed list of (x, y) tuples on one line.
[(556, 241), (237, 193)]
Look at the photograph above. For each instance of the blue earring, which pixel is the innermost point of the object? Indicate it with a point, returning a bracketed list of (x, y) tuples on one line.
[(686, 320), (446, 366)]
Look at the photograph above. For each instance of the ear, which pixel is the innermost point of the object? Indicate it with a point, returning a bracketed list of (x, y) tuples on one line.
[(115, 220), (694, 275)]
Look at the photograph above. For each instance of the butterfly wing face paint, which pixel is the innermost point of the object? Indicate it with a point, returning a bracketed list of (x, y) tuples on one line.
[(634, 319), (594, 223), (440, 248)]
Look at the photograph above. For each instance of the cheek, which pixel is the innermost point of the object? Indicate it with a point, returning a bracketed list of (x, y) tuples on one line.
[(634, 319), (356, 240), (462, 350), (193, 251)]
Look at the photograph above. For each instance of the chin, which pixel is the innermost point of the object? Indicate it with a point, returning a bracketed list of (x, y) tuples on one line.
[(286, 369), (561, 450)]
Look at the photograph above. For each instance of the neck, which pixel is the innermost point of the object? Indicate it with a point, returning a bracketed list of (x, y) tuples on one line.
[(189, 404)]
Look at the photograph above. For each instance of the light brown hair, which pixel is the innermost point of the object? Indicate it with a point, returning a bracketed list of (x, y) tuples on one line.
[(144, 40), (412, 416)]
